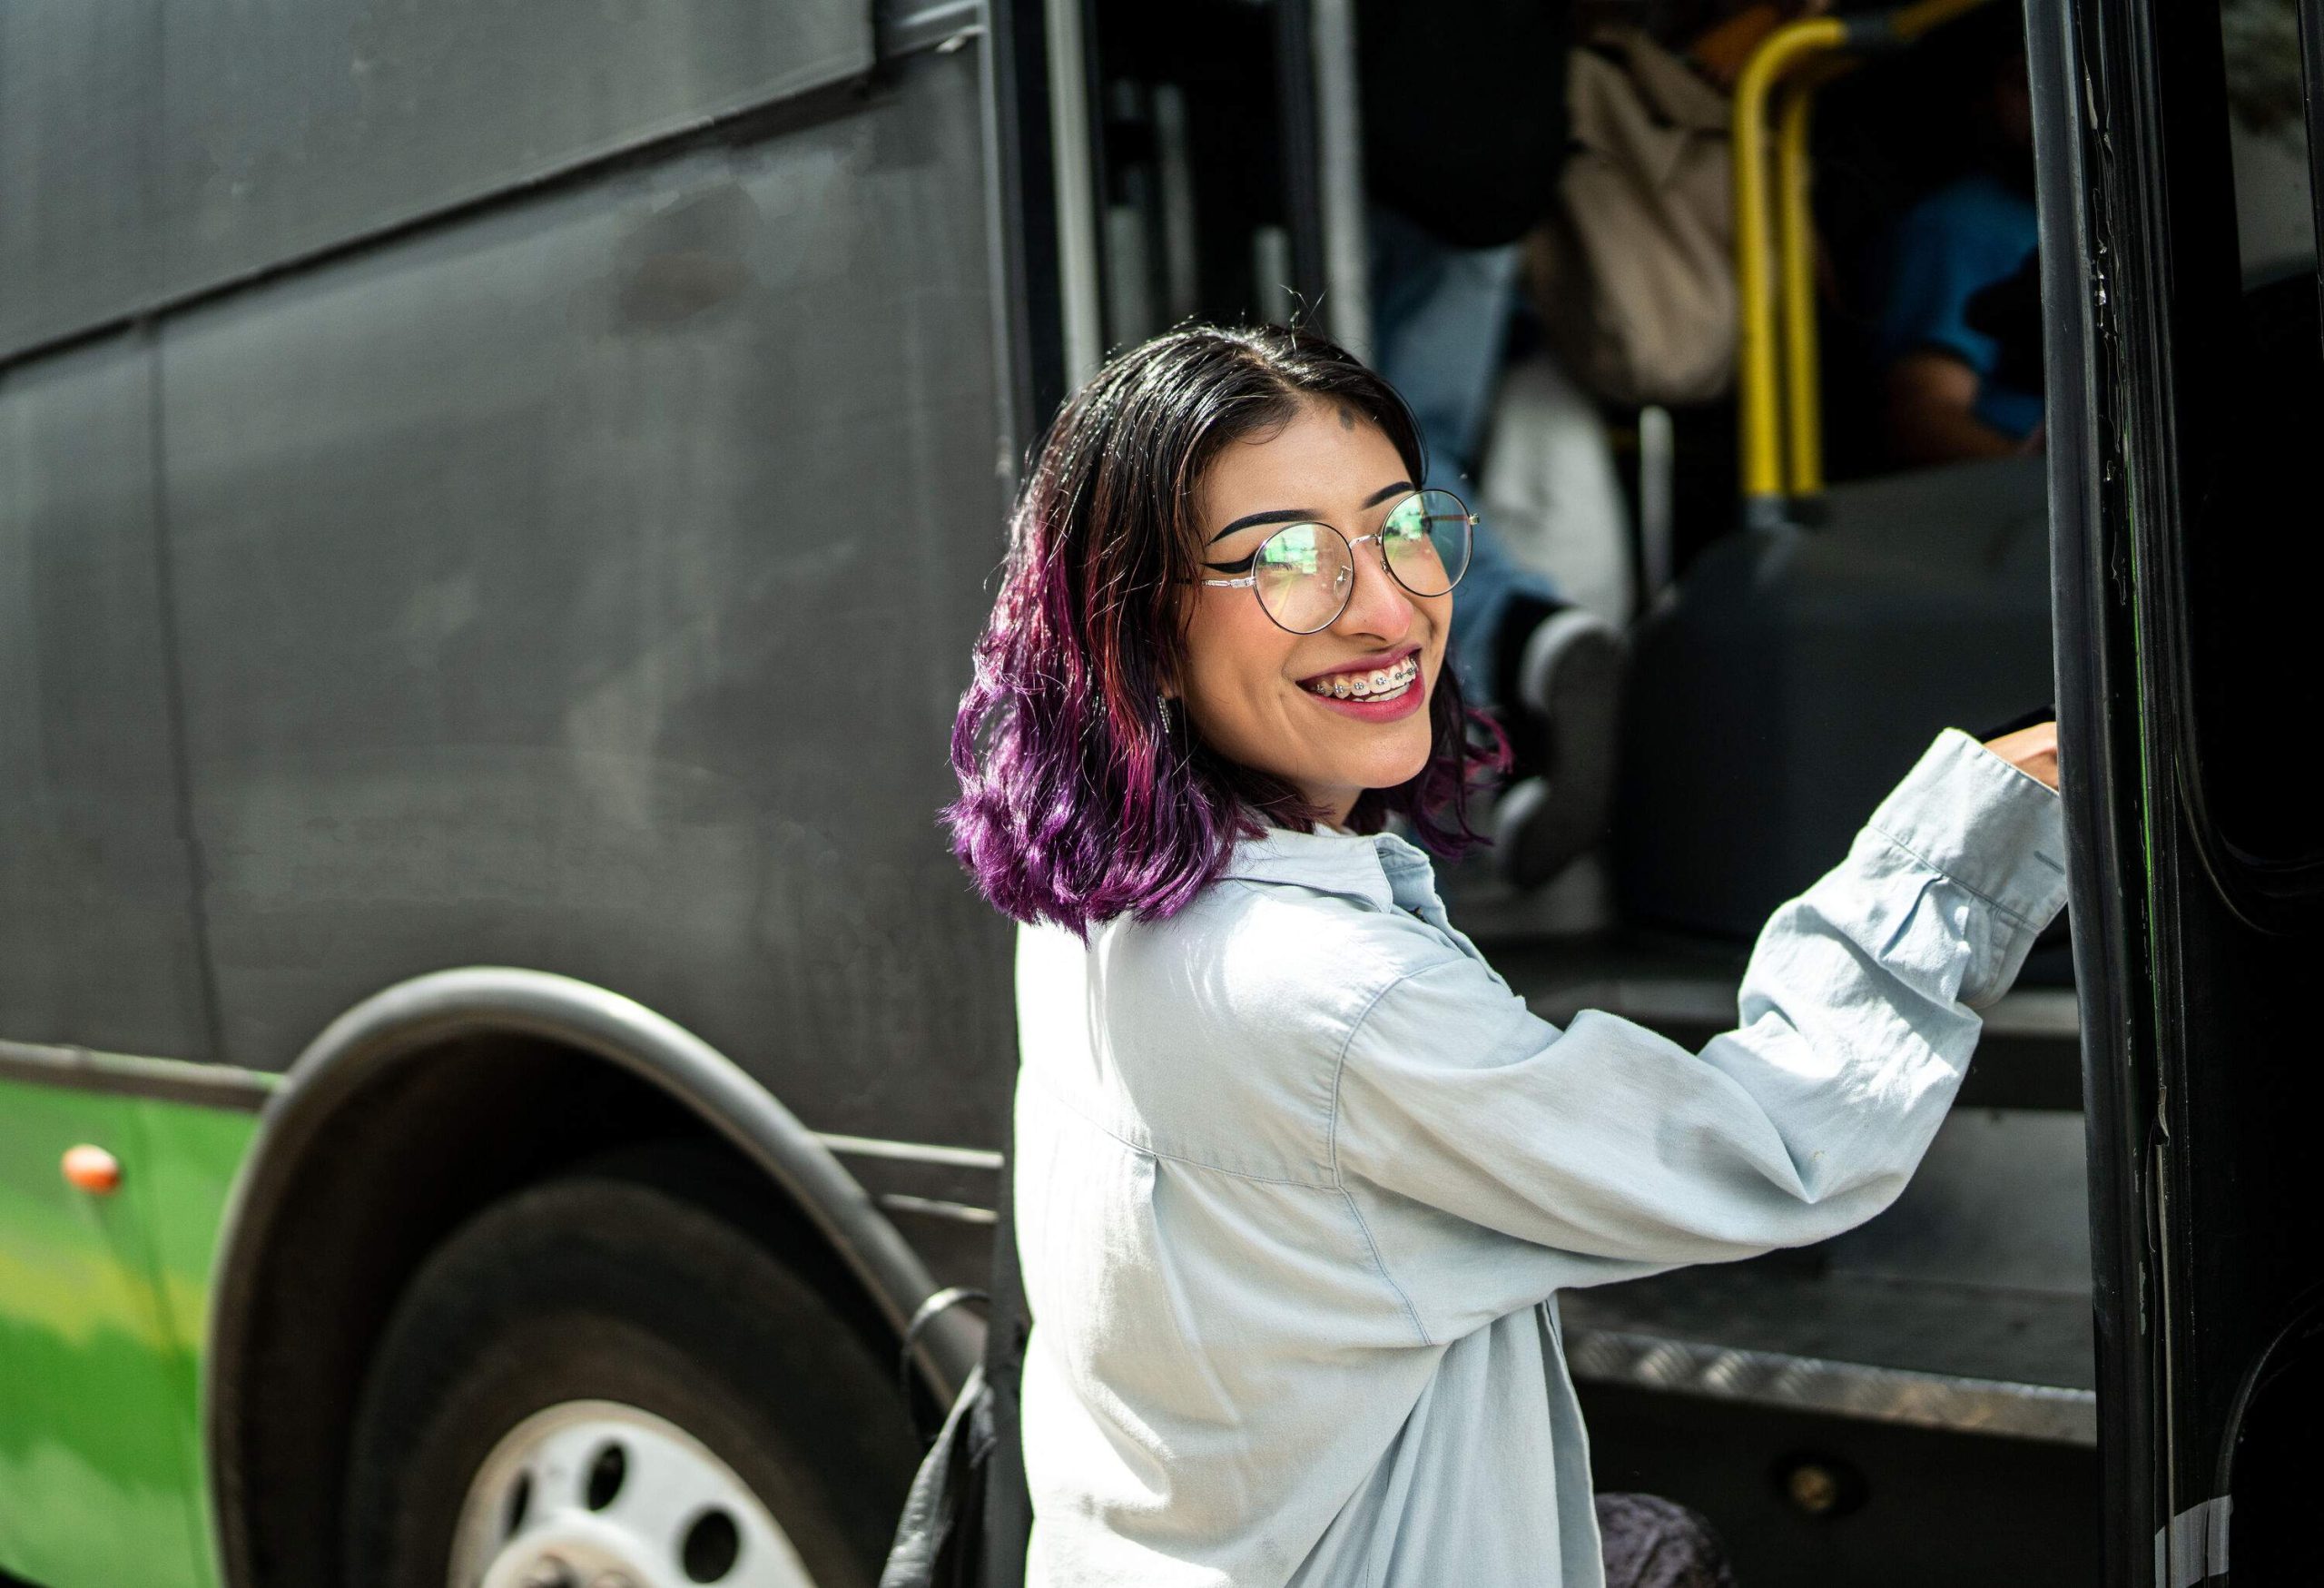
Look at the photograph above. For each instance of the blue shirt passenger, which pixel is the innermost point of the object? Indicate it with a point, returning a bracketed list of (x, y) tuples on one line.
[(1952, 244)]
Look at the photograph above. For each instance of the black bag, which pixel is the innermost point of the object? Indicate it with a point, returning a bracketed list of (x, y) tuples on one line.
[(940, 1540), (967, 1517)]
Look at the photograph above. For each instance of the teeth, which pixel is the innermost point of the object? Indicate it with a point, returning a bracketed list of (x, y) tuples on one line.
[(1364, 685)]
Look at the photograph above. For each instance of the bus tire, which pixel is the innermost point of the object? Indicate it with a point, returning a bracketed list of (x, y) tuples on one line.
[(609, 1310)]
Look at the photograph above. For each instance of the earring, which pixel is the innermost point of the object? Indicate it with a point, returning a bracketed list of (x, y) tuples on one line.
[(1164, 702)]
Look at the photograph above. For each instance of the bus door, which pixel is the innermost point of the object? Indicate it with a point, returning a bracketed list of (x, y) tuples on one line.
[(2177, 144), (1208, 168)]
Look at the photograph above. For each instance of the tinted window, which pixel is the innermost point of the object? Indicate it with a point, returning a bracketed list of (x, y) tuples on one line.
[(2251, 399)]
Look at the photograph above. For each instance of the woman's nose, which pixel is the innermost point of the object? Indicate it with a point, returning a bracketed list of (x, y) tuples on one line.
[(1378, 605)]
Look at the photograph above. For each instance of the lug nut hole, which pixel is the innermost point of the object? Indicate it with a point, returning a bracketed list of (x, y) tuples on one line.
[(606, 1471), (520, 1501), (711, 1547)]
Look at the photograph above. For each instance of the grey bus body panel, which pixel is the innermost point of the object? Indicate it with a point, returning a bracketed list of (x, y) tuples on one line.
[(79, 243), (586, 583), (588, 586), (282, 132), (99, 945)]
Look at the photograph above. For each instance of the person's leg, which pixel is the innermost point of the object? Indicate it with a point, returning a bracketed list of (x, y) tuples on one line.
[(1653, 1543), (1439, 316), (1567, 689)]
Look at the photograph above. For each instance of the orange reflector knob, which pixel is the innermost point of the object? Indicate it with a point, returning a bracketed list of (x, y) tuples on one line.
[(92, 1169)]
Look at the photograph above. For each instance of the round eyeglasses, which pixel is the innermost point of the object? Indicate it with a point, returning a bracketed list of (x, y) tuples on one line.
[(1304, 574)]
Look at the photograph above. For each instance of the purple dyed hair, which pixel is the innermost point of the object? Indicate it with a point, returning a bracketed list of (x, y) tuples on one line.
[(1077, 800)]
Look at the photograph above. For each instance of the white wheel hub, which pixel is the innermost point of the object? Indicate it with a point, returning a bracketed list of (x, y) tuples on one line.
[(598, 1494)]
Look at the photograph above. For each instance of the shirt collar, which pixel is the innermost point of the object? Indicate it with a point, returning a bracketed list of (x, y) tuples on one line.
[(1381, 870)]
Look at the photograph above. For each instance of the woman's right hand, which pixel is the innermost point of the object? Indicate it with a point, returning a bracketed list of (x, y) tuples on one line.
[(2032, 751)]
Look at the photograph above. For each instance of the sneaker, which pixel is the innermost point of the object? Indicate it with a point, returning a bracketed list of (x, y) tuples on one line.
[(1570, 677)]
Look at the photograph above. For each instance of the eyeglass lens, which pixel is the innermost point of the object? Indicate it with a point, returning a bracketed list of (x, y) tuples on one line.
[(1305, 572), (1427, 542)]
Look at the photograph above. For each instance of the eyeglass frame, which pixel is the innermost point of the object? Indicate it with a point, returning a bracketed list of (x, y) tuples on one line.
[(1378, 536)]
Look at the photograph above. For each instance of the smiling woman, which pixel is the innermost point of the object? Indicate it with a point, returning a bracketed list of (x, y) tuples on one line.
[(1297, 1178), (1320, 681), (1193, 473)]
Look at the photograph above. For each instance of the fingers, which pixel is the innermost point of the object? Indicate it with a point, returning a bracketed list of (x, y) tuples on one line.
[(2032, 751)]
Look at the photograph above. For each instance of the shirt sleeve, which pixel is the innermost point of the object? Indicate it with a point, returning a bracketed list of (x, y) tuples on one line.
[(1939, 261), (1494, 1159)]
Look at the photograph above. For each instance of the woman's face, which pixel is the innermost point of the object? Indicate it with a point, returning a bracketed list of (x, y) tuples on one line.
[(1251, 685)]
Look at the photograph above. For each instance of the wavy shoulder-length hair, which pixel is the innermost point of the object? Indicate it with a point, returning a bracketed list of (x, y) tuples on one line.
[(1081, 796)]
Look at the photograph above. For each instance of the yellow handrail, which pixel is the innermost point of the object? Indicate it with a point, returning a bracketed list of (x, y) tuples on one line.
[(1762, 464), (1769, 469), (1803, 420)]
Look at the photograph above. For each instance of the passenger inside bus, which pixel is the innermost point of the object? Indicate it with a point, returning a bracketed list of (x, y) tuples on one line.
[(1634, 306), (1460, 187), (1549, 222), (1946, 400), (1455, 182)]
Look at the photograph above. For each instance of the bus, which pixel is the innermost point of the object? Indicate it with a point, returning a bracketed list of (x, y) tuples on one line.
[(501, 1082)]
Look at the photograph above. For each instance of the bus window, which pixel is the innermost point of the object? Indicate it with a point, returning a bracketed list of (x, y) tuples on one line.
[(2267, 138), (2247, 615)]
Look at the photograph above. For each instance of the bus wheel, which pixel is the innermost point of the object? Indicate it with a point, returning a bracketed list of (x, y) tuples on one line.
[(598, 1383)]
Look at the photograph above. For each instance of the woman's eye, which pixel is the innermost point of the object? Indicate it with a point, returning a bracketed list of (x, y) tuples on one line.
[(1241, 564)]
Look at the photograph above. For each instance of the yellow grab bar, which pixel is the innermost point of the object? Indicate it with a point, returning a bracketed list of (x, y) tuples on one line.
[(1803, 420), (1770, 468), (1762, 464)]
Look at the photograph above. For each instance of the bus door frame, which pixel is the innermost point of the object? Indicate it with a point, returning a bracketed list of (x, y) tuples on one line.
[(2130, 132)]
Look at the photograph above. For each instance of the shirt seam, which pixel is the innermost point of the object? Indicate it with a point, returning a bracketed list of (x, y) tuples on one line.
[(1334, 889), (1332, 1152), (1142, 1149), (1967, 887)]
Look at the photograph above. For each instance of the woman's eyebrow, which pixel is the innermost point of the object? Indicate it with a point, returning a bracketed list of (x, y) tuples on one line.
[(1301, 515), (1272, 515)]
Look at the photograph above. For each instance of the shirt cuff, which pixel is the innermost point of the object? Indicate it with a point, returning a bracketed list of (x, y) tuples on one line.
[(1997, 831)]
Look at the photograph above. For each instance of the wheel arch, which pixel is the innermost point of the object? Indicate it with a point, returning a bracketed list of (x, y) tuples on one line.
[(391, 1129)]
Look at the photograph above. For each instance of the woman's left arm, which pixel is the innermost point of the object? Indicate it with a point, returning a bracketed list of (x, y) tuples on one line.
[(1494, 1159)]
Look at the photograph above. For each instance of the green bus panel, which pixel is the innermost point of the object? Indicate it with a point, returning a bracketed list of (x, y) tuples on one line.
[(103, 1302)]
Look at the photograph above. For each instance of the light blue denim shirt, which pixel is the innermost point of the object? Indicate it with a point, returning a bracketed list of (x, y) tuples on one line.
[(1298, 1178)]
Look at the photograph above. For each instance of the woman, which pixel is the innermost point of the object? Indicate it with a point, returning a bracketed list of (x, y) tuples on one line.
[(1297, 1177)]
